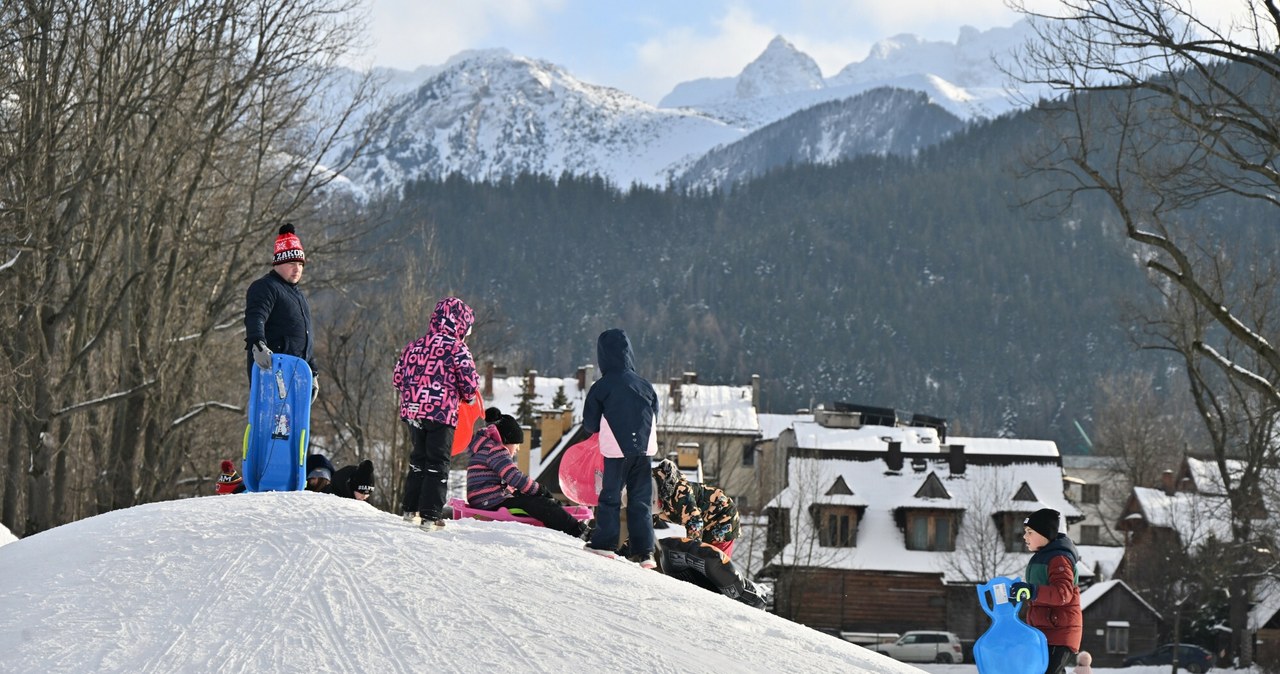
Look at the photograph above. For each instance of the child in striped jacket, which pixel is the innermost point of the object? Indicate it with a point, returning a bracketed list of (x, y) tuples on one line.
[(494, 481)]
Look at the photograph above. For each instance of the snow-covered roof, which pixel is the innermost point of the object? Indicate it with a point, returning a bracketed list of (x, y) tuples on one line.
[(1196, 517), (772, 425), (1098, 590), (1207, 477), (705, 408), (1104, 559), (1267, 592), (915, 440), (982, 491), (708, 408)]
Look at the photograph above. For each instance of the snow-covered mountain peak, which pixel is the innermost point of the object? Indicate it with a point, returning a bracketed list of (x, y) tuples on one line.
[(780, 69), (970, 61)]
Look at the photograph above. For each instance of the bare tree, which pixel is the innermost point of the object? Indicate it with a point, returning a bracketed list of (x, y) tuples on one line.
[(1138, 427), (1172, 121), (147, 152), (982, 552)]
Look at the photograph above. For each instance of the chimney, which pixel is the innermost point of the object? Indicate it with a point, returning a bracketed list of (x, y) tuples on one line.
[(522, 456), (674, 384), (690, 377), (1166, 482), (893, 460), (552, 429), (755, 392), (530, 379), (957, 460), (488, 380), (582, 378)]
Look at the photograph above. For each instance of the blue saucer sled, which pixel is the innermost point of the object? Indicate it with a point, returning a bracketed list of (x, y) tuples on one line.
[(1009, 646), (275, 440)]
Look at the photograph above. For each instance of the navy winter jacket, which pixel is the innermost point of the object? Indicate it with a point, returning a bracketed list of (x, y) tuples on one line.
[(277, 313), (625, 401)]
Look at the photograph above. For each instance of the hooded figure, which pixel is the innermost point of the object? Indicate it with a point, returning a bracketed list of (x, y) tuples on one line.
[(434, 375), (622, 408), (707, 513), (436, 371)]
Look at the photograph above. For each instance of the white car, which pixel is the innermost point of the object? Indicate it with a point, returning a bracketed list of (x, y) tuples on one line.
[(925, 646)]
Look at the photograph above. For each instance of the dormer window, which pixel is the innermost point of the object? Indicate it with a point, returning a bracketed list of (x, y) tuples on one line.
[(837, 525), (932, 530)]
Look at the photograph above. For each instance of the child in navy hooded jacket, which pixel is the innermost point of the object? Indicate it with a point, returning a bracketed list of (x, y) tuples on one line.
[(623, 408)]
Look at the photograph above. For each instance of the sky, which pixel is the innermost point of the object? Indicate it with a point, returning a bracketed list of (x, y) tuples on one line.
[(646, 48)]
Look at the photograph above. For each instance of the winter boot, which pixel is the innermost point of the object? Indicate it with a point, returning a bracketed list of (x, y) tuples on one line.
[(645, 561), (432, 525), (608, 554), (412, 518)]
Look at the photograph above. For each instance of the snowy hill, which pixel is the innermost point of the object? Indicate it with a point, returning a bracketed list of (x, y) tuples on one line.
[(491, 114), (301, 582)]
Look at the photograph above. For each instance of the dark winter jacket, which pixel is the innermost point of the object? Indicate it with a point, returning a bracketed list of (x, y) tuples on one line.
[(1055, 609), (492, 477), (622, 407), (347, 478), (436, 372), (706, 513), (277, 313)]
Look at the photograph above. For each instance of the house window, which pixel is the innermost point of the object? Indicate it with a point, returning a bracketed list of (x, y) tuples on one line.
[(931, 531), (1117, 636), (1090, 534), (748, 455), (1011, 531), (1090, 493), (837, 526)]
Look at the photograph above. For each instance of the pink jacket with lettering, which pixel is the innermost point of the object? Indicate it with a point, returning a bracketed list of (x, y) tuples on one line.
[(436, 372)]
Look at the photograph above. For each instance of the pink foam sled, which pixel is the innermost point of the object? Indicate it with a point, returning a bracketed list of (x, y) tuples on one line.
[(582, 471), (461, 510)]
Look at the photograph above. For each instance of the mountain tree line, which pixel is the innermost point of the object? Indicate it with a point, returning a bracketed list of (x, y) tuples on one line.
[(919, 283)]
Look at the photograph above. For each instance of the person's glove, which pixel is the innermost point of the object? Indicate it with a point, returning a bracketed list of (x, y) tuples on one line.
[(315, 388), (1020, 592), (543, 491), (262, 355)]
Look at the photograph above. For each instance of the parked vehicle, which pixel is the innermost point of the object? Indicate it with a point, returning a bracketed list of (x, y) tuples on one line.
[(1194, 659), (925, 646)]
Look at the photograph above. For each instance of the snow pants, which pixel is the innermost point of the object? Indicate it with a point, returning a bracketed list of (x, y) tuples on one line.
[(633, 472), (545, 510), (426, 486)]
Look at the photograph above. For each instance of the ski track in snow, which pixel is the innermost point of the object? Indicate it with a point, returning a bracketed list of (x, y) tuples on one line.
[(300, 582)]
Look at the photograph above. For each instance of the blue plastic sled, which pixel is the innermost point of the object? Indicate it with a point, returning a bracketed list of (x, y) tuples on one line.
[(275, 440), (1009, 646)]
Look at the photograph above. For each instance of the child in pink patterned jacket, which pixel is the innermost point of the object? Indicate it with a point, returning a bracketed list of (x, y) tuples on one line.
[(434, 375)]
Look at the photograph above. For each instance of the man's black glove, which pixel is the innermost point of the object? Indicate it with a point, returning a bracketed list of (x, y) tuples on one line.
[(543, 491)]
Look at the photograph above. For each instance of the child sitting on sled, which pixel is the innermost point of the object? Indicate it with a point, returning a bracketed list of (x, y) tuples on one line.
[(494, 481)]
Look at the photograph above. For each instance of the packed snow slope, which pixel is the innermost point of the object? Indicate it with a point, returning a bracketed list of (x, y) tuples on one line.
[(302, 582)]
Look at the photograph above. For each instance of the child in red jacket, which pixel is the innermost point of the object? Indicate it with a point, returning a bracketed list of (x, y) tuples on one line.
[(1049, 591)]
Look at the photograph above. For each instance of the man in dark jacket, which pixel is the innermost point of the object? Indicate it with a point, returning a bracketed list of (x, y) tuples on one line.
[(277, 317), (623, 408)]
